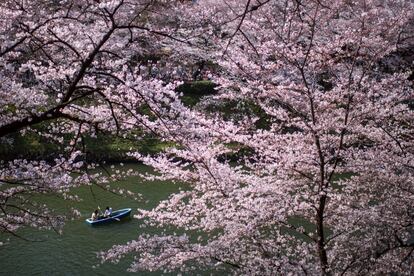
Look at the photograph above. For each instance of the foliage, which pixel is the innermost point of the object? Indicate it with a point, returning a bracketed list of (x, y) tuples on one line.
[(195, 90), (108, 148)]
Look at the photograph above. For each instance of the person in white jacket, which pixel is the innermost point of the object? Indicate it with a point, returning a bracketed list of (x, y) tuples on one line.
[(108, 212)]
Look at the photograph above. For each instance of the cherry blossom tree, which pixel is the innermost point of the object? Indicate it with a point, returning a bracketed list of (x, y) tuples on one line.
[(323, 181), (75, 69), (325, 185)]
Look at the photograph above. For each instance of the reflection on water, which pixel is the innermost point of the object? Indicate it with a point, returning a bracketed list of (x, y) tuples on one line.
[(74, 252)]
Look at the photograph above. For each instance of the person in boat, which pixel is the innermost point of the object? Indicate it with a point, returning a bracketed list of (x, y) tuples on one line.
[(95, 215), (108, 212)]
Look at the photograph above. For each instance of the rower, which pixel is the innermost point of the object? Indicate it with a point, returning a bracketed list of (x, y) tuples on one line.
[(108, 212)]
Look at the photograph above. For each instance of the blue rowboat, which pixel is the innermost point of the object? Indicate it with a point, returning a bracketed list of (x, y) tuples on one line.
[(115, 216)]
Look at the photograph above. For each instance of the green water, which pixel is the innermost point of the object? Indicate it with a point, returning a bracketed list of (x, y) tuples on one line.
[(74, 252)]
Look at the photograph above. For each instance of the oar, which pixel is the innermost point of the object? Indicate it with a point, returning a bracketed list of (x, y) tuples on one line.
[(117, 219)]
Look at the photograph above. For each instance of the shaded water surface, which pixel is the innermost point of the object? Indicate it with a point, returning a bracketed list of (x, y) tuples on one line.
[(74, 252)]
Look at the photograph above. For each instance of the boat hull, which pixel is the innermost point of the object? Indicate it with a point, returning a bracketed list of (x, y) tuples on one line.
[(116, 216)]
